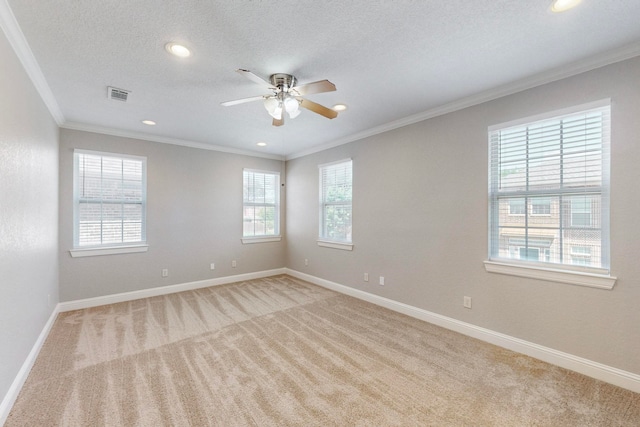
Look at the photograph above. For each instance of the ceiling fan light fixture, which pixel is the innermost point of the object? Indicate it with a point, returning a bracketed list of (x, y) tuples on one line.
[(273, 105), (270, 104), (291, 105), (294, 114), (277, 114)]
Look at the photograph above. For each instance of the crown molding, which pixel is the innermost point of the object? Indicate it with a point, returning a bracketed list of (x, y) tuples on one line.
[(20, 46), (555, 74), (173, 141)]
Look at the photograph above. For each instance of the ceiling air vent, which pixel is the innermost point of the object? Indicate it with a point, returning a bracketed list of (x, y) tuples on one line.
[(118, 94)]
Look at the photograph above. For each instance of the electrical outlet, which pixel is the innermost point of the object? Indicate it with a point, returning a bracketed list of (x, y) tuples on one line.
[(233, 263), (306, 261), (366, 277), (165, 272), (467, 302), (212, 266), (381, 281)]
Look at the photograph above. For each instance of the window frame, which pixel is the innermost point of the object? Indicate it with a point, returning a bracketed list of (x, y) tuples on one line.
[(323, 239), (141, 245), (565, 272), (262, 238)]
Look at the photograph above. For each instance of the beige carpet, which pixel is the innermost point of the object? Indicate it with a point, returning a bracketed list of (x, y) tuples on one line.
[(283, 352)]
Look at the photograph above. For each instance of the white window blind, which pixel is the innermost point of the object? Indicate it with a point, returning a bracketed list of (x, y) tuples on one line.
[(335, 201), (109, 199), (261, 203), (549, 189)]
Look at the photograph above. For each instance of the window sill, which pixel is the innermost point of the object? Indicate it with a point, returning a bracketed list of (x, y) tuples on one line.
[(251, 240), (113, 250), (336, 245), (591, 280)]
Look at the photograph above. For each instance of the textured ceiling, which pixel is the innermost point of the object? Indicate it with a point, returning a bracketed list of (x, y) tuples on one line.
[(390, 60)]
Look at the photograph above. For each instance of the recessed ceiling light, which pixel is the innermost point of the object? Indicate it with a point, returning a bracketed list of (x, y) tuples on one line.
[(562, 5), (261, 144), (177, 50), (339, 107), (149, 122)]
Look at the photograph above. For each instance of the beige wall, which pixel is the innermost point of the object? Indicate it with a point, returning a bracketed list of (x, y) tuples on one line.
[(194, 218), (420, 220), (28, 215)]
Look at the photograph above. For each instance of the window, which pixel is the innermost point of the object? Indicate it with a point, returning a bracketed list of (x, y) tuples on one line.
[(581, 211), (109, 200), (548, 190), (260, 206), (532, 254), (516, 207), (540, 206), (580, 255), (335, 205)]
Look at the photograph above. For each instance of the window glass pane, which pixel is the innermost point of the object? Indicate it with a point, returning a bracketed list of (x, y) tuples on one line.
[(336, 188), (516, 206), (261, 193), (540, 206), (338, 222), (581, 211), (531, 254), (547, 181), (248, 221), (109, 200)]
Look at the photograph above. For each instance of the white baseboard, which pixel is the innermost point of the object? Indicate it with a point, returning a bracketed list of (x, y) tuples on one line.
[(164, 290), (23, 373), (599, 371)]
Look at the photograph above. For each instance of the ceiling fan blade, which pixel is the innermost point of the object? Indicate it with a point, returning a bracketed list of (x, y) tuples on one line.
[(315, 87), (256, 79), (317, 108), (277, 122), (242, 101)]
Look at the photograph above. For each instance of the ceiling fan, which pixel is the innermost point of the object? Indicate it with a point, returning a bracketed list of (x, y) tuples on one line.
[(286, 96)]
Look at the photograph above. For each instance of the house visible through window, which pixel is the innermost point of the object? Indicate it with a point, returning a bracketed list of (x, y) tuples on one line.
[(549, 188), (581, 210), (335, 201), (580, 255), (516, 207), (540, 206), (109, 199), (261, 203)]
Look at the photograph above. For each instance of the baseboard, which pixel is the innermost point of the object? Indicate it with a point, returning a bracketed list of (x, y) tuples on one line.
[(618, 377), (164, 290), (23, 373)]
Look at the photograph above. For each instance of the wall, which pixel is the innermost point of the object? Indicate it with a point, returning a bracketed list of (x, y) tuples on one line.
[(420, 220), (28, 216), (194, 218)]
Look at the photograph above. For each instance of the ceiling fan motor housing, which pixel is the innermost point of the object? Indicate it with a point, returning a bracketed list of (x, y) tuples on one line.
[(282, 81)]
